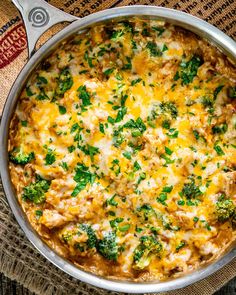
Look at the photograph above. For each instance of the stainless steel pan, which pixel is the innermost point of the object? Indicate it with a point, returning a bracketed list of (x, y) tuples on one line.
[(38, 17)]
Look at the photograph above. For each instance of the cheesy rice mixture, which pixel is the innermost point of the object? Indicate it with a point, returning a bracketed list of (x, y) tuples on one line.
[(122, 150)]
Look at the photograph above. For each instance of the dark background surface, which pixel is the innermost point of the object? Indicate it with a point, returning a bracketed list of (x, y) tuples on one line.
[(8, 287)]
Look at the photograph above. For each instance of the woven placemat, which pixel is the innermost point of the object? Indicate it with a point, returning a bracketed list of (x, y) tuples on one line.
[(19, 260)]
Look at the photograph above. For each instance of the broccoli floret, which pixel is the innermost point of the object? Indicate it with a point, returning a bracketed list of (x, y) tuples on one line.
[(92, 239), (116, 35), (144, 252), (35, 191), (146, 212), (170, 108), (107, 247), (225, 209), (88, 239), (66, 237), (17, 156), (165, 110), (191, 190)]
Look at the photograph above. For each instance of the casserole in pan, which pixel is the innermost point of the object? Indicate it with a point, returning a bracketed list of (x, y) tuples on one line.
[(122, 148)]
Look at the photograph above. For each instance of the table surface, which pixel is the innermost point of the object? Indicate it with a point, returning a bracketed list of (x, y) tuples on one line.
[(9, 287)]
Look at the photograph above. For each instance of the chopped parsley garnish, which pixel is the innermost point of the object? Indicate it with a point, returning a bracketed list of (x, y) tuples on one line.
[(84, 95), (219, 150), (118, 77), (138, 229), (38, 213), (137, 127), (162, 198), (153, 49), (118, 138), (24, 123), (195, 219), (180, 246), (124, 228), (42, 80), (108, 72), (89, 150), (163, 195), (101, 128), (74, 127), (64, 166), (196, 134), (168, 151), (188, 70), (136, 133), (71, 148), (127, 155), (88, 59), (82, 177), (159, 30), (136, 81), (50, 158), (110, 120), (115, 167), (142, 176), (28, 91), (167, 159), (112, 213), (62, 110), (167, 189), (128, 65), (164, 48), (42, 95), (173, 133), (181, 202), (64, 82), (112, 201), (136, 166), (121, 113), (134, 44)]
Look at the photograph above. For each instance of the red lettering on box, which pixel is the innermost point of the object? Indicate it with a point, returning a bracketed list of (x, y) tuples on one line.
[(12, 44)]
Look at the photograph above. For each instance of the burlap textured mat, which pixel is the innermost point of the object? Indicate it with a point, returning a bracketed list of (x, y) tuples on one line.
[(18, 258)]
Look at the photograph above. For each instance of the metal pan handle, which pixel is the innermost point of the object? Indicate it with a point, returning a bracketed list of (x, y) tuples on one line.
[(38, 17)]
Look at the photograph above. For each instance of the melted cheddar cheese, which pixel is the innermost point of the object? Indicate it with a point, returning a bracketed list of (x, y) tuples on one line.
[(122, 150)]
